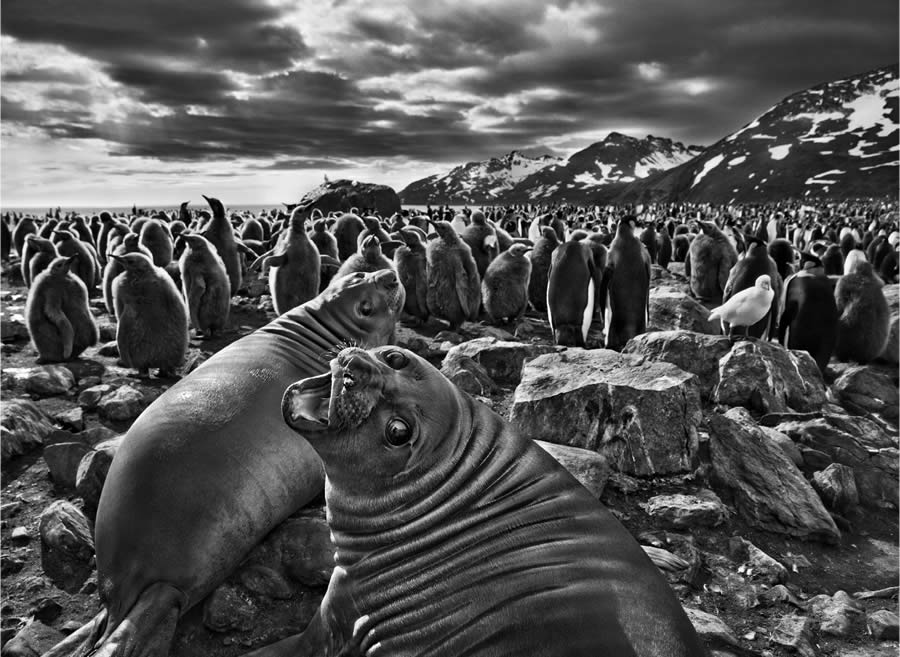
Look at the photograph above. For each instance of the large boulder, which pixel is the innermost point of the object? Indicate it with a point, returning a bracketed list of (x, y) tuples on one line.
[(23, 426), (343, 195), (766, 377), (92, 471), (865, 389), (858, 443), (767, 489), (502, 359), (641, 415), (693, 352), (67, 545)]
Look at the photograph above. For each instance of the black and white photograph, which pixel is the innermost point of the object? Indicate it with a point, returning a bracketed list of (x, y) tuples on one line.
[(416, 328)]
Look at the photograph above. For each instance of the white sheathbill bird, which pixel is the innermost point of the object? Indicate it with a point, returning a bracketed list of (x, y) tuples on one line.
[(747, 306)]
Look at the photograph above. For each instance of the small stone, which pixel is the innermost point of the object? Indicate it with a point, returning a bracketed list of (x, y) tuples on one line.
[(62, 460), (794, 632), (91, 474), (757, 565), (679, 511), (13, 327), (836, 613), (836, 485), (90, 397), (9, 565), (711, 629), (45, 610), (83, 368), (89, 587), (20, 536), (23, 426), (48, 380), (883, 625), (107, 333), (109, 350), (780, 593), (265, 582), (123, 405), (227, 609), (67, 545), (72, 419)]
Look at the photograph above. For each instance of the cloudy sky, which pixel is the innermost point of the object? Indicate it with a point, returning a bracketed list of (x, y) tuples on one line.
[(110, 102)]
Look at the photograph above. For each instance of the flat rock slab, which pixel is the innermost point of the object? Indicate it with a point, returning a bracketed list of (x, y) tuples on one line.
[(680, 511), (769, 491), (766, 377), (502, 359), (641, 415)]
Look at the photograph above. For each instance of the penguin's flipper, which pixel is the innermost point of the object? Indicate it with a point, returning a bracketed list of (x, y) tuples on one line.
[(194, 296), (55, 314)]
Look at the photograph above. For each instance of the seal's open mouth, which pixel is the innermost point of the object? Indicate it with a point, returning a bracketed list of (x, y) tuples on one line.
[(308, 400)]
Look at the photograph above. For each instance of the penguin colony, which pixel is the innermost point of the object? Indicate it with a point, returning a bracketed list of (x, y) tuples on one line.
[(810, 279)]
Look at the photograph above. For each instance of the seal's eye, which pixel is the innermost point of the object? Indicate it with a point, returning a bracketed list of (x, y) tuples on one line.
[(396, 360), (365, 308), (397, 432)]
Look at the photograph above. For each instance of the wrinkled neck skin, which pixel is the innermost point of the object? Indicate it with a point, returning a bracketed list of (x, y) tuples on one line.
[(368, 515)]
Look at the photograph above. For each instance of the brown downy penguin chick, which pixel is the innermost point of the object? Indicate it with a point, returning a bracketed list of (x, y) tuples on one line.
[(184, 215), (5, 239), (708, 262), (117, 233), (205, 284), (324, 241), (541, 256), (346, 231), (369, 258), (504, 239), (649, 239), (625, 286), (809, 320), (40, 253), (130, 244), (82, 230), (504, 289), (833, 260), (782, 252), (252, 230), (294, 265), (46, 230), (482, 240), (84, 265), (746, 271), (156, 237), (153, 322), (26, 226), (454, 287), (411, 264), (221, 235), (106, 224), (59, 319), (864, 323)]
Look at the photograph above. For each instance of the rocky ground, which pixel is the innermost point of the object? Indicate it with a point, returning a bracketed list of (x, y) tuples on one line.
[(768, 496)]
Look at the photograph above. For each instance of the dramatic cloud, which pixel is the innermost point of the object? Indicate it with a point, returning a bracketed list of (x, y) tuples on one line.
[(401, 89)]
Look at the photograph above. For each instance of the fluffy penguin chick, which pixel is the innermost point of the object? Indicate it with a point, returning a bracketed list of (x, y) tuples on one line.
[(153, 320), (747, 306), (206, 285), (504, 289), (58, 317)]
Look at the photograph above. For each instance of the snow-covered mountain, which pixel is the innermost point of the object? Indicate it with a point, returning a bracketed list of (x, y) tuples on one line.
[(838, 139), (617, 159), (476, 182)]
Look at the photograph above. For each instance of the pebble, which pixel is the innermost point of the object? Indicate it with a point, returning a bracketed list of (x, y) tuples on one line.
[(883, 625)]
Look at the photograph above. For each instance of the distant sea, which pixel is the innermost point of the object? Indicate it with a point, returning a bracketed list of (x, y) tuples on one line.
[(92, 210)]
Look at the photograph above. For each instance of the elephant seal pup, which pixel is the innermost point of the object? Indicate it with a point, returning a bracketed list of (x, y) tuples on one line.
[(210, 468), (453, 533)]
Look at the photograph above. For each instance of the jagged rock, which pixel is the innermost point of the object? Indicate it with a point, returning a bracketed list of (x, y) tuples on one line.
[(680, 511), (107, 331), (67, 546), (20, 536), (91, 474), (96, 435), (693, 352), (756, 565), (13, 327), (266, 582), (883, 625), (795, 632), (228, 608), (32, 640), (836, 485), (344, 195), (502, 360), (641, 415), (780, 593), (300, 547), (62, 460), (44, 380), (589, 468), (769, 491), (71, 419), (23, 426), (90, 397), (766, 377), (467, 374), (45, 610), (109, 349), (857, 443), (711, 629), (788, 446), (835, 613), (122, 405), (671, 308), (83, 368), (866, 388), (891, 353)]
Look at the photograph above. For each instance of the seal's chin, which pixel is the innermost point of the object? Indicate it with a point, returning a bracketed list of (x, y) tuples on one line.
[(306, 404)]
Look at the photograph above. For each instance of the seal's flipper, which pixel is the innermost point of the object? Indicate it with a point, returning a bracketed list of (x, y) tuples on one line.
[(81, 642), (148, 628)]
